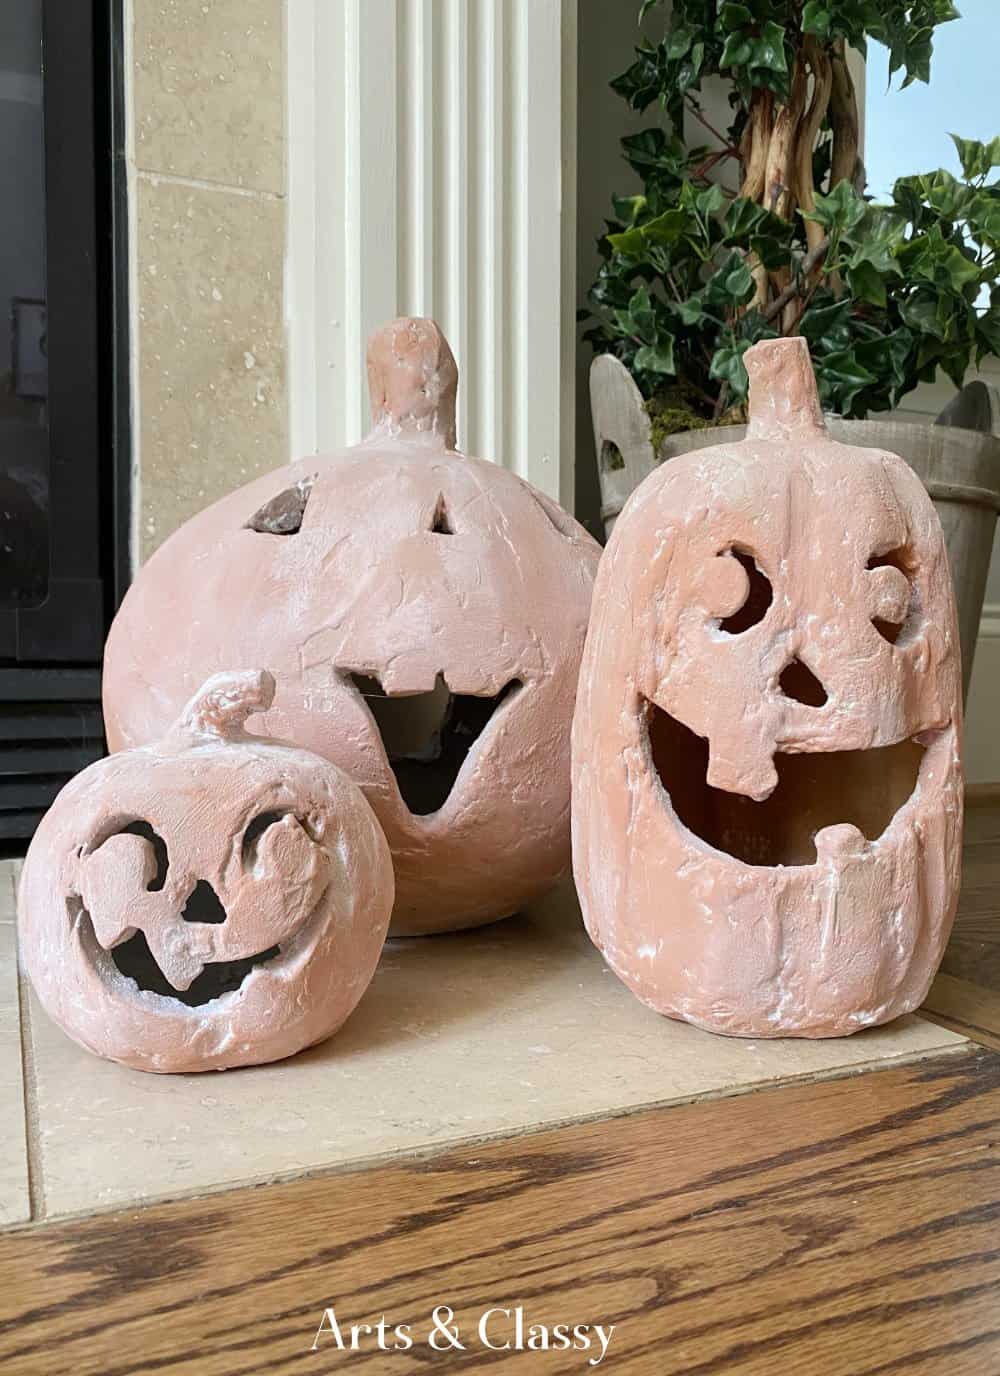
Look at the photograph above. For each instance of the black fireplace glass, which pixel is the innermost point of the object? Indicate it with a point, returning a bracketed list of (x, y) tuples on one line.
[(24, 427)]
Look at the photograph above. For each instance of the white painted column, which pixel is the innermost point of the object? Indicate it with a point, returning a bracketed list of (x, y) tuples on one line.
[(432, 172)]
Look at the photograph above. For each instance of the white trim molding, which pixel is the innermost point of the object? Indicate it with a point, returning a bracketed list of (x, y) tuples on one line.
[(432, 171), (989, 625)]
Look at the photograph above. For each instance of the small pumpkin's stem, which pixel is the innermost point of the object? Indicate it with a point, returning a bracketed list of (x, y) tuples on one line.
[(223, 703), (412, 380), (783, 396)]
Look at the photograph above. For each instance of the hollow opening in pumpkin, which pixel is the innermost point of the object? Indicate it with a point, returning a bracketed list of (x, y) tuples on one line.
[(428, 736), (143, 829), (816, 790), (203, 905), (135, 960), (283, 514), (759, 596), (442, 521), (903, 559), (797, 681)]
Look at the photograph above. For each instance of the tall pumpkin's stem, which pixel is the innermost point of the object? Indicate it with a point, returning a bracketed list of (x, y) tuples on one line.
[(784, 401), (412, 380), (222, 704)]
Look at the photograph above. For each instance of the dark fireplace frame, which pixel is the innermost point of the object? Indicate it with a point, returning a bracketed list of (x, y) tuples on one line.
[(50, 655)]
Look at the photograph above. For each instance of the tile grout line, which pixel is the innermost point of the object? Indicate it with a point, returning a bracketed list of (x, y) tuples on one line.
[(29, 1086)]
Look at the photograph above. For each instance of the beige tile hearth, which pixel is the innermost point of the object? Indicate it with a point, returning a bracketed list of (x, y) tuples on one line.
[(465, 1036)]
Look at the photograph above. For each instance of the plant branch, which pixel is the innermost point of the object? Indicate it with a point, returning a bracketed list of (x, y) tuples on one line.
[(844, 120), (696, 111), (810, 263)]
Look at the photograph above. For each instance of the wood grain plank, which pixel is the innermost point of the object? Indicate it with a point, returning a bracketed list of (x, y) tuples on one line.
[(828, 1229)]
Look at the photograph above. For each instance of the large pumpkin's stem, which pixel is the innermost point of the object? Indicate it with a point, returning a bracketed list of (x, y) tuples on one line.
[(783, 396), (223, 703), (412, 380)]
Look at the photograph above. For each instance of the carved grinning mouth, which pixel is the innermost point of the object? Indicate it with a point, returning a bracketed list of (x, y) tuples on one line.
[(427, 737), (865, 788), (133, 958)]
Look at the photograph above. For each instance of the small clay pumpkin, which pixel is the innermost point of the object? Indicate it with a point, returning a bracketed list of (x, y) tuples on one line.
[(213, 900), (424, 614), (767, 795)]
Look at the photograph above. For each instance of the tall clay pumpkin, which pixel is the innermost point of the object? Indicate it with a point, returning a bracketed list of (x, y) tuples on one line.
[(424, 615), (767, 784)]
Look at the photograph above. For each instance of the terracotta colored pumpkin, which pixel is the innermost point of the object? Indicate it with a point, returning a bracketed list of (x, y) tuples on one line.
[(213, 900), (767, 787), (424, 614)]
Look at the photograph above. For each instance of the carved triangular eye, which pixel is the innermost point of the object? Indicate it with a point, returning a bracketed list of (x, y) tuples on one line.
[(799, 682), (283, 514), (442, 521)]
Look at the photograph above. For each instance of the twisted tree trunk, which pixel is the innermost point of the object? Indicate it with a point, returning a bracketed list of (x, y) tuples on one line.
[(776, 154)]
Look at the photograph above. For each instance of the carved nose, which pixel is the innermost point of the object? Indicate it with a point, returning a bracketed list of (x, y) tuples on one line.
[(798, 681)]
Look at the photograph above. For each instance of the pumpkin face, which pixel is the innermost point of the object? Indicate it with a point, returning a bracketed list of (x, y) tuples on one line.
[(209, 901), (424, 614), (767, 782)]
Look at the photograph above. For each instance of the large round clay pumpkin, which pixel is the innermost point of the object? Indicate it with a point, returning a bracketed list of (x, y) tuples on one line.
[(212, 900), (767, 801), (424, 614)]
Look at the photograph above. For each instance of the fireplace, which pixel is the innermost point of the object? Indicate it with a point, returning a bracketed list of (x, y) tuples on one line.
[(63, 392)]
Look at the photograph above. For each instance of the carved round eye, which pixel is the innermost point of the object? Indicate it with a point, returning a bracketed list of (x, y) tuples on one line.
[(890, 592), (747, 591)]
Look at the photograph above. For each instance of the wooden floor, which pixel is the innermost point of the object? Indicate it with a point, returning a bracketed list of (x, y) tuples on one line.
[(842, 1228)]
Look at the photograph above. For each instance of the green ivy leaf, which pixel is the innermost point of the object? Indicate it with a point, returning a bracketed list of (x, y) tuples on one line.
[(742, 218), (866, 283), (692, 311), (643, 315), (679, 42), (825, 326), (984, 215), (658, 358), (844, 373), (987, 334), (737, 52), (920, 312), (977, 158), (769, 49), (772, 252), (816, 18), (727, 366), (711, 200), (630, 243), (628, 208), (935, 259), (887, 354), (841, 211)]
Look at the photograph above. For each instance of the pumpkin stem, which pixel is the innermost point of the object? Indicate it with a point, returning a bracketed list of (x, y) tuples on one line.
[(223, 703), (412, 380), (783, 396)]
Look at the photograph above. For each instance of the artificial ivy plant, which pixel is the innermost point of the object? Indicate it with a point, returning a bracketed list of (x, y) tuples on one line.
[(765, 229)]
